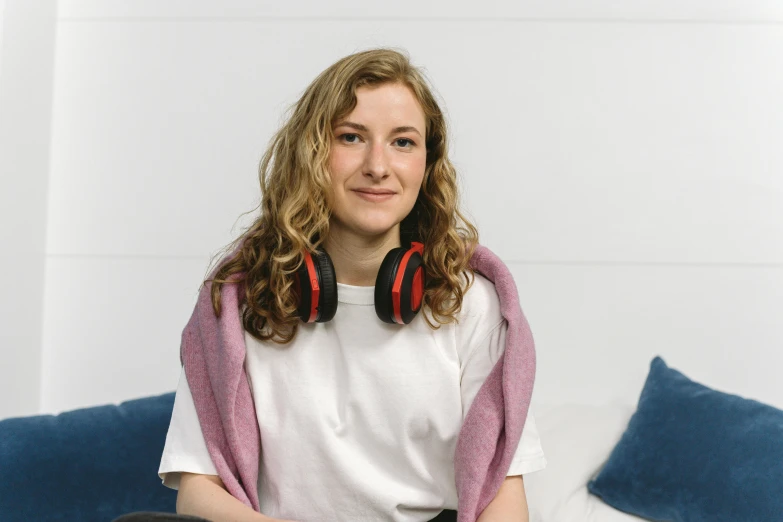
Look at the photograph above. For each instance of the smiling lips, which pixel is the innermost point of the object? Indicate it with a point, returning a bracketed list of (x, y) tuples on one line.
[(374, 194)]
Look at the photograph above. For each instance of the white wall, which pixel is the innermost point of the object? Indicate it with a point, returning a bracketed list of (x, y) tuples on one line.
[(624, 160), (27, 44), (2, 13)]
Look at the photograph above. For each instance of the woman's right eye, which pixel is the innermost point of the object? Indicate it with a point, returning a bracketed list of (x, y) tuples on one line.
[(344, 135)]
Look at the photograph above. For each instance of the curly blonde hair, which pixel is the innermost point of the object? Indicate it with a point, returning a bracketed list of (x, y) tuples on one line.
[(297, 200)]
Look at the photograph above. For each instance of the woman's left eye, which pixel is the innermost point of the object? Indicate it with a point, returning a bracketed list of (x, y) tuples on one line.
[(406, 139)]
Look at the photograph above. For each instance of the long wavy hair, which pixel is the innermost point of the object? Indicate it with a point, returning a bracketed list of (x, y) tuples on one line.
[(297, 201)]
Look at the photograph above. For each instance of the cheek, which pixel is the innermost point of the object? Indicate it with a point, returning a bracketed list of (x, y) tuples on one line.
[(342, 156), (419, 163), (340, 167), (335, 157), (334, 164), (416, 171)]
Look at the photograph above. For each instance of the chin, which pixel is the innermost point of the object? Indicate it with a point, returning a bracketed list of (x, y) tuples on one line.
[(375, 232), (375, 223), (373, 229), (367, 224)]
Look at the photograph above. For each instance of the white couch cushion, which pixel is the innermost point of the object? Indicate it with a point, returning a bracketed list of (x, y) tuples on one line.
[(577, 441)]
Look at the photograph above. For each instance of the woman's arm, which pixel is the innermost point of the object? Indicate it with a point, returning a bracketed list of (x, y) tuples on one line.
[(509, 505), (206, 496)]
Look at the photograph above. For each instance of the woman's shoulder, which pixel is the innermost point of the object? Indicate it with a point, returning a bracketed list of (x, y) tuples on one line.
[(478, 318), (481, 300)]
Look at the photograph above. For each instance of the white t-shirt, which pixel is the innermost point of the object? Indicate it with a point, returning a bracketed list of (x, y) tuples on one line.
[(359, 418)]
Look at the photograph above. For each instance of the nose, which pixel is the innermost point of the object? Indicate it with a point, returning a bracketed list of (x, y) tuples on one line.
[(376, 165)]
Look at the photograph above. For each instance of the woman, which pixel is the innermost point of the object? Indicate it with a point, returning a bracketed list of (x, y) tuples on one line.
[(359, 400)]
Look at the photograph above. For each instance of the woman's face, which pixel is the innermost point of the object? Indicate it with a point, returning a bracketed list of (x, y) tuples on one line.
[(377, 161)]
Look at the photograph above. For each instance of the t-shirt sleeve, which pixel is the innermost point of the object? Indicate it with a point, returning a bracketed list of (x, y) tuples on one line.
[(185, 448), (486, 343)]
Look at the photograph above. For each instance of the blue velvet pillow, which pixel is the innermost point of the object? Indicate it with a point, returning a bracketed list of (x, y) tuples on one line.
[(691, 453), (92, 464)]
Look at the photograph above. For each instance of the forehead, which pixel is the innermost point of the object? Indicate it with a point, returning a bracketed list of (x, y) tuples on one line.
[(388, 102)]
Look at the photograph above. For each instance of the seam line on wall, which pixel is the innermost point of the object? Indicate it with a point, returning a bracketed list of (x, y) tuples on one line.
[(723, 264), (262, 18)]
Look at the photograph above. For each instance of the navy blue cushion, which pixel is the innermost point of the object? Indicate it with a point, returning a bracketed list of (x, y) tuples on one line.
[(92, 464), (691, 453)]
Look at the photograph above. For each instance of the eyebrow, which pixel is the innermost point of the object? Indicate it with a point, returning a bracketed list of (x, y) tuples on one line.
[(359, 126)]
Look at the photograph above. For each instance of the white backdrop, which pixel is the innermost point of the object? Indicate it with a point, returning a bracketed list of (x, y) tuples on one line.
[(26, 68), (624, 161)]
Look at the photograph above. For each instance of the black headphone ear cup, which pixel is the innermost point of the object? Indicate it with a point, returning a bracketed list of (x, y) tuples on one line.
[(304, 291), (384, 307), (327, 305)]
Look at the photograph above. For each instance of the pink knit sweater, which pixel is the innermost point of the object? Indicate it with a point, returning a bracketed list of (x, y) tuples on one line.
[(213, 354)]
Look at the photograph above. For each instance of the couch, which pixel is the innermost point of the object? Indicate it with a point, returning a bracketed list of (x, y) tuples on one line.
[(87, 465), (685, 452)]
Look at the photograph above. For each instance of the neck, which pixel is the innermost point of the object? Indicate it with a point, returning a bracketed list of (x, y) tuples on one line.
[(357, 259)]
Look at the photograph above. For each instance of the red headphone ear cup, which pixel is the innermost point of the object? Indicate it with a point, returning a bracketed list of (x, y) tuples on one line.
[(327, 304), (414, 266), (323, 270), (384, 281), (405, 308), (417, 289)]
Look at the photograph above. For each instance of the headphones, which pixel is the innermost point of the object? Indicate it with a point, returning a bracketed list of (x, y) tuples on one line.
[(399, 286)]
